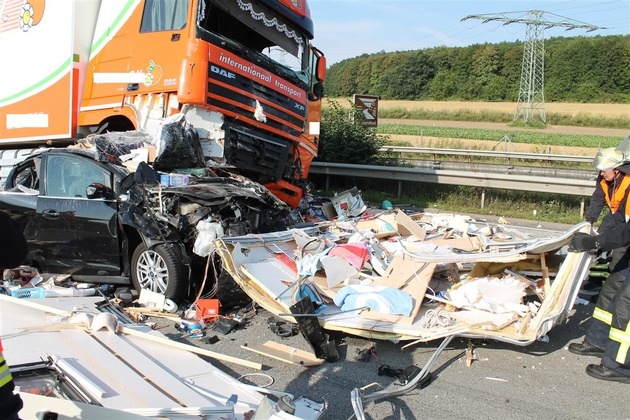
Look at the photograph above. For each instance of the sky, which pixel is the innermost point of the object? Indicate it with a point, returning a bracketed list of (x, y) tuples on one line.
[(349, 28)]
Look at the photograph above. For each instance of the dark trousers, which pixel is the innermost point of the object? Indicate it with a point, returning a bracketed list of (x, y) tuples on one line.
[(597, 333)]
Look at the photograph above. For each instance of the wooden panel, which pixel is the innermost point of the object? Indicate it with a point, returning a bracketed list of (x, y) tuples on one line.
[(286, 354)]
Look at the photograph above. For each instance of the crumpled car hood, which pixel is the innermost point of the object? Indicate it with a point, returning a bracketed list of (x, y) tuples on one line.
[(239, 205)]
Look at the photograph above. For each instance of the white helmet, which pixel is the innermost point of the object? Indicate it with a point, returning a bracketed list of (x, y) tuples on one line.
[(624, 146), (608, 159)]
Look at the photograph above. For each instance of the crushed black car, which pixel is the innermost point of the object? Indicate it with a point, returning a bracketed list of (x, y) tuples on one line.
[(86, 214)]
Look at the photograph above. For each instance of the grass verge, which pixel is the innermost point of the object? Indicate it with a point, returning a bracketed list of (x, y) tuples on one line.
[(525, 137), (580, 119)]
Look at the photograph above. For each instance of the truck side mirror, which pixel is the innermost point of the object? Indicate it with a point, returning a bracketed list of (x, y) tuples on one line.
[(321, 69), (320, 64)]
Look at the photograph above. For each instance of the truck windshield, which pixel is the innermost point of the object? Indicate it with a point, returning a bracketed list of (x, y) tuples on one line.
[(257, 28)]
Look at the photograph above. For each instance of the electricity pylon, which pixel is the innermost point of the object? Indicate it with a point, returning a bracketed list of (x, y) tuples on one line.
[(531, 96)]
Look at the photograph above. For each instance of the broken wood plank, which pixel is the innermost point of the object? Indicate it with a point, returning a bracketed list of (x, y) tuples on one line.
[(545, 273), (469, 354), (190, 348), (285, 354), (525, 323), (152, 312)]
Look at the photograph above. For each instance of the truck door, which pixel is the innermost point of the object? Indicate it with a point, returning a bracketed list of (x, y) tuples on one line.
[(75, 234), (161, 44)]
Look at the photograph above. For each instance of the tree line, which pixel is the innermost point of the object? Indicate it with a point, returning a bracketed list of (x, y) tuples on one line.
[(577, 69)]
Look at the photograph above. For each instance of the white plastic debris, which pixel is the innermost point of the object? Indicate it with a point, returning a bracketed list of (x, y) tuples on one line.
[(207, 232), (81, 318), (580, 301), (259, 114), (105, 320)]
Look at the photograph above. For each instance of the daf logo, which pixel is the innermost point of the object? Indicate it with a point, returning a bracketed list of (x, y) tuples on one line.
[(224, 73), (300, 107)]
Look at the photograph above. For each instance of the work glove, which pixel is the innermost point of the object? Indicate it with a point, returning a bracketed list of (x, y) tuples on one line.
[(582, 242)]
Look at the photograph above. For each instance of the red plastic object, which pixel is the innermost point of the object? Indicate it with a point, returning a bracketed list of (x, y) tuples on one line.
[(207, 309)]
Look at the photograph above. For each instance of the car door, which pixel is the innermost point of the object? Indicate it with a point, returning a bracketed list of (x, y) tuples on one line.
[(19, 198), (75, 234)]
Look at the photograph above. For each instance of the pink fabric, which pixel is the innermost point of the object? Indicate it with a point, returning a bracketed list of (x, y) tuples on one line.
[(355, 254)]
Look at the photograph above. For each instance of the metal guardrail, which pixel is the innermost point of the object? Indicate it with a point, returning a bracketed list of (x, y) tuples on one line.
[(487, 154), (456, 174), (553, 185)]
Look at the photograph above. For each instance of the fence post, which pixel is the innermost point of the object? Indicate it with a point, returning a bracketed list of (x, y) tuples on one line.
[(483, 198)]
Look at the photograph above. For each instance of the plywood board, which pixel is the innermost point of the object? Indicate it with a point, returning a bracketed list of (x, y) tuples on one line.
[(337, 270), (382, 226), (417, 277), (285, 353), (406, 225), (485, 319), (470, 243), (402, 269)]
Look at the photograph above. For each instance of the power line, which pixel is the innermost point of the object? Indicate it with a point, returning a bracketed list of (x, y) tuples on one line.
[(531, 97)]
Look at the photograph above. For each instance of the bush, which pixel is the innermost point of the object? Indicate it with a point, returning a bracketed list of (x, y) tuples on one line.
[(344, 140)]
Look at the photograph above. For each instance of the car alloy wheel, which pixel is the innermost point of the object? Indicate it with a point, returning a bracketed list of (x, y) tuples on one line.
[(152, 272), (158, 269)]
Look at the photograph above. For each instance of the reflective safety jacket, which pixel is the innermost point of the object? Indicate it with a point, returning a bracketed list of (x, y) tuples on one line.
[(615, 229), (615, 197), (5, 373)]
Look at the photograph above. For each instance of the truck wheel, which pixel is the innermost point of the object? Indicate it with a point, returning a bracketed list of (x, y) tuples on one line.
[(160, 270)]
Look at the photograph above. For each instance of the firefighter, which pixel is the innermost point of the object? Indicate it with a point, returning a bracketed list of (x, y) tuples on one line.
[(600, 199), (13, 250), (608, 335)]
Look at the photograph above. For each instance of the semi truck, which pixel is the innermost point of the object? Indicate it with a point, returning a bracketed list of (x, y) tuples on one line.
[(242, 72)]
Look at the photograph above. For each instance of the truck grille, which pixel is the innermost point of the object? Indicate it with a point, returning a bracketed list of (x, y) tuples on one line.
[(238, 94)]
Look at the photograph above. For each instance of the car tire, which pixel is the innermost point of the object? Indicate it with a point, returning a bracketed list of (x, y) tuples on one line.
[(160, 270)]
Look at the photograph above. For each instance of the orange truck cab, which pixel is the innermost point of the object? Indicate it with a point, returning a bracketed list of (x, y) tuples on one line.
[(243, 72)]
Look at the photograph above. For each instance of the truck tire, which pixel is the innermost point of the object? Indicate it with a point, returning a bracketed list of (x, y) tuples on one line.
[(160, 270)]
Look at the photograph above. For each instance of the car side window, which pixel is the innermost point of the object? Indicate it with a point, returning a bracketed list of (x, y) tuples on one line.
[(69, 176), (26, 178)]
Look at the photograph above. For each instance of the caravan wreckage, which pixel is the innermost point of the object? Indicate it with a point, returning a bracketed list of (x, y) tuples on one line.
[(385, 275), (410, 278)]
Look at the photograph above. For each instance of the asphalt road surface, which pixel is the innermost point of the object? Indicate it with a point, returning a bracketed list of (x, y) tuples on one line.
[(504, 381), (542, 380)]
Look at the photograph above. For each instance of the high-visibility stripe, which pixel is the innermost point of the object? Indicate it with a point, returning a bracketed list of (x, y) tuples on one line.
[(5, 373), (602, 315), (623, 338), (5, 379)]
